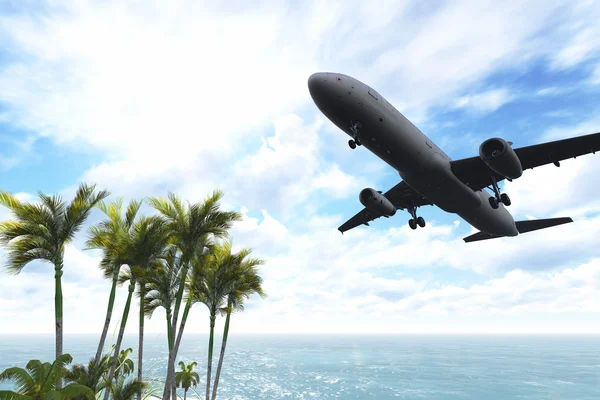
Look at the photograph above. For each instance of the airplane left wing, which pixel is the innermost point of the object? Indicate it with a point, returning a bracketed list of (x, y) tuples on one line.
[(401, 196), (475, 173)]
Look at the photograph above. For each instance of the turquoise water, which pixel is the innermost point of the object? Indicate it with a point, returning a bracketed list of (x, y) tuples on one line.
[(365, 367)]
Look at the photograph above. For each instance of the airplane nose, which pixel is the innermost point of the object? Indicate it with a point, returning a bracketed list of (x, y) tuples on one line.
[(317, 84)]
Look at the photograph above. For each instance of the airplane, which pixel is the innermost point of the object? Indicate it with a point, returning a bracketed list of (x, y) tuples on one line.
[(430, 176)]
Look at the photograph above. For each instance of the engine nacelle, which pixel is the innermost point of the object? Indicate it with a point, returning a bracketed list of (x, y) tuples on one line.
[(376, 202), (501, 158)]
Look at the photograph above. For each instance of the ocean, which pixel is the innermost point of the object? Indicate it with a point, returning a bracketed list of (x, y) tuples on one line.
[(363, 366)]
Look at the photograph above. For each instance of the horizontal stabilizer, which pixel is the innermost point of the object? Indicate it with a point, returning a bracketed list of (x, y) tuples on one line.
[(522, 227), (480, 236), (535, 224)]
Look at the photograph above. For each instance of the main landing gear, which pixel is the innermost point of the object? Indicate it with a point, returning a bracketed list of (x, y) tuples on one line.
[(498, 197), (354, 128), (414, 221)]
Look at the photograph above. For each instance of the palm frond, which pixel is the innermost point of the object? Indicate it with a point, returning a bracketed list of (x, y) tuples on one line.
[(10, 395), (23, 381)]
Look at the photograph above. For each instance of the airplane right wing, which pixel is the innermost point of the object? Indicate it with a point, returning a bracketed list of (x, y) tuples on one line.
[(401, 196), (477, 175)]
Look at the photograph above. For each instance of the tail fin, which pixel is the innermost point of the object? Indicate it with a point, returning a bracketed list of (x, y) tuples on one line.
[(522, 227)]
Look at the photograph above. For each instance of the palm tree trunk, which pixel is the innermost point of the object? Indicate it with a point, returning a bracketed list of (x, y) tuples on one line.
[(171, 374), (58, 310), (120, 337), (222, 355), (111, 303), (169, 331), (185, 394), (173, 355), (170, 339), (179, 294), (141, 339), (213, 316)]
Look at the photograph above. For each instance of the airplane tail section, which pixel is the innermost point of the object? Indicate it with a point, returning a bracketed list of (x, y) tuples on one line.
[(522, 227)]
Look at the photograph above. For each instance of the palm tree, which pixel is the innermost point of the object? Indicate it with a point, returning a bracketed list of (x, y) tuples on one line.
[(91, 375), (125, 366), (187, 378), (196, 273), (122, 389), (42, 381), (191, 226), (41, 230), (106, 236), (128, 275), (162, 288), (148, 251), (141, 247), (212, 288), (245, 282)]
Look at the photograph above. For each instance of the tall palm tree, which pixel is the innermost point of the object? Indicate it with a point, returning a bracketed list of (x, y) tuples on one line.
[(141, 247), (151, 247), (128, 275), (106, 236), (245, 282), (190, 225), (196, 273), (41, 230), (218, 275), (42, 381), (187, 377)]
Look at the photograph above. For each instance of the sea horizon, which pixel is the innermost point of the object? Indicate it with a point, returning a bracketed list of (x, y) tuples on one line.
[(359, 366)]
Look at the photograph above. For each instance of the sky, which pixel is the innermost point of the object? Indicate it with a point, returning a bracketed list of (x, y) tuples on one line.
[(147, 97)]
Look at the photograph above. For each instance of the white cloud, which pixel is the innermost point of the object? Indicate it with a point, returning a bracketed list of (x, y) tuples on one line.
[(554, 90), (202, 80), (595, 76), (175, 96), (585, 127), (485, 102), (582, 35)]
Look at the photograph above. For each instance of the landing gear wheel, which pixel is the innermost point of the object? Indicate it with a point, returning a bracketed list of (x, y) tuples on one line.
[(412, 223), (421, 222), (505, 199), (493, 202), (358, 142), (352, 144)]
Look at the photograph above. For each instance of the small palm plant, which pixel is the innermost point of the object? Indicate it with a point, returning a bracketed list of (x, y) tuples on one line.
[(187, 377), (41, 381), (125, 364), (126, 389), (91, 375)]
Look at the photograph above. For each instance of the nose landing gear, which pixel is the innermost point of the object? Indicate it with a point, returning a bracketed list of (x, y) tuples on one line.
[(354, 128), (498, 197)]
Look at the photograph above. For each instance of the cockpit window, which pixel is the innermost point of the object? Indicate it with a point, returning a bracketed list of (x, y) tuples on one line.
[(374, 94)]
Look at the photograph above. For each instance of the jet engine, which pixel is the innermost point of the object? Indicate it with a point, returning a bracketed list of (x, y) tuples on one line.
[(501, 158), (376, 202)]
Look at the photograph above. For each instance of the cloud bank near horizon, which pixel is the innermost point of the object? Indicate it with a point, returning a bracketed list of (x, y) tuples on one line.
[(191, 97)]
